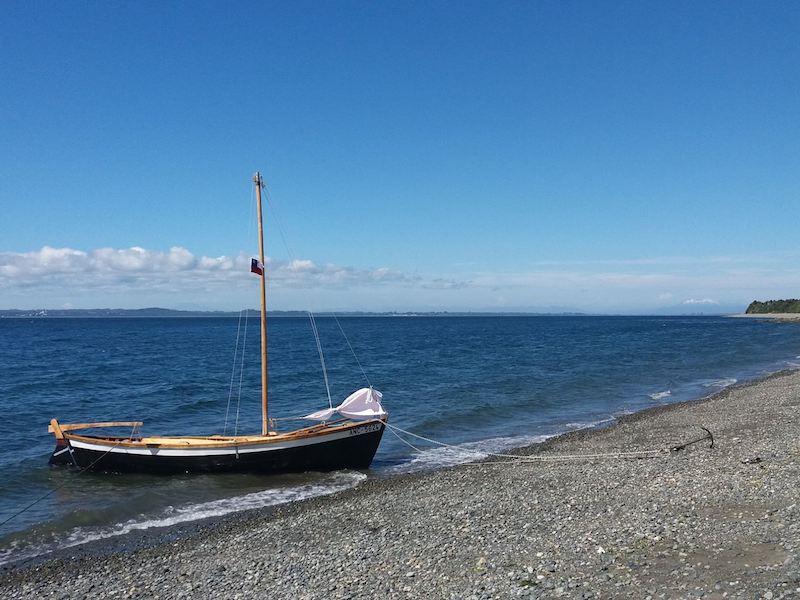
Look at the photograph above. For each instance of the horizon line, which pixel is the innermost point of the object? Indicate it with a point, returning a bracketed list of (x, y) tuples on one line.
[(64, 313)]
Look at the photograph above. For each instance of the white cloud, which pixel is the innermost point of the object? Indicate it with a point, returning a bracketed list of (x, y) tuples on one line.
[(678, 261), (136, 276), (177, 268)]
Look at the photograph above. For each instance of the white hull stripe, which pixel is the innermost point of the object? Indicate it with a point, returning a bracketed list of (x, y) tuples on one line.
[(198, 452)]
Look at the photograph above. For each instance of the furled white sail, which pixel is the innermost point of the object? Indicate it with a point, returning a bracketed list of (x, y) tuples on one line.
[(360, 405)]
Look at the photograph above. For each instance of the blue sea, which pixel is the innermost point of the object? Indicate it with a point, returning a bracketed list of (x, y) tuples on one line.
[(482, 383)]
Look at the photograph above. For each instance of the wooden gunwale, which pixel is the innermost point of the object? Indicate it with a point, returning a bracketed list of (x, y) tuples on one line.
[(218, 442), (55, 425)]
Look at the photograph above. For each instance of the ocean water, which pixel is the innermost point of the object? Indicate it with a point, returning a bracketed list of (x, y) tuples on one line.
[(481, 383)]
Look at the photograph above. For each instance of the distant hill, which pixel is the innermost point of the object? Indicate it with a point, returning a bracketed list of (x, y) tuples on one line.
[(100, 313), (122, 312), (773, 306)]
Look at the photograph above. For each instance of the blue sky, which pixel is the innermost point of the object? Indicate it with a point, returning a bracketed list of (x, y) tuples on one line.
[(618, 157)]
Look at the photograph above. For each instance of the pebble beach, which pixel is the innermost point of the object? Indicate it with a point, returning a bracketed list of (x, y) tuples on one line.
[(721, 522)]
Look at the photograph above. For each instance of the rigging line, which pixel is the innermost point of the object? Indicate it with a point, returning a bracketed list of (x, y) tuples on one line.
[(233, 373), (250, 226), (241, 374), (297, 418), (352, 351), (55, 489), (278, 222), (349, 345), (321, 357), (282, 232), (251, 214)]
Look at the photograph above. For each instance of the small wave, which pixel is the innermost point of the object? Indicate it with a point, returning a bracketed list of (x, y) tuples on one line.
[(623, 411), (457, 454), (184, 514), (721, 383), (589, 424), (660, 395)]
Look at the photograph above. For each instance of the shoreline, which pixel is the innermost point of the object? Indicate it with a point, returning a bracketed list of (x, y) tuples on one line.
[(148, 546), (140, 539), (774, 316)]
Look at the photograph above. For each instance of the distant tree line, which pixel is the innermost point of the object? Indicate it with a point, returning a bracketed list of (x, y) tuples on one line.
[(774, 306)]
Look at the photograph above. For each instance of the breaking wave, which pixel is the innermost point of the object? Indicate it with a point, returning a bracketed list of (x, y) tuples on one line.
[(335, 482), (660, 395), (721, 383), (589, 424)]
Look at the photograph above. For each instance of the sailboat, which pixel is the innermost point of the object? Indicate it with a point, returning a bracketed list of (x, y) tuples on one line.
[(342, 437)]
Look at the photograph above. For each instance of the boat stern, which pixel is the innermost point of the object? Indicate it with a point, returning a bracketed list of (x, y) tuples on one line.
[(61, 454)]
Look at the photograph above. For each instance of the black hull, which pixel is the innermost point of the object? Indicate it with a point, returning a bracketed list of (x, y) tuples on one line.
[(352, 452)]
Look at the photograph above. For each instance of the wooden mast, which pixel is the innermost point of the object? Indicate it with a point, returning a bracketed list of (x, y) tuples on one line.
[(264, 421)]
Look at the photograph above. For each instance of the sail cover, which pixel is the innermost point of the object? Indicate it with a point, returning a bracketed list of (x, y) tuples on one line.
[(360, 405)]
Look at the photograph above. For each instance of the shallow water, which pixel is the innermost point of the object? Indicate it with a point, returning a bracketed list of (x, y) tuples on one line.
[(485, 383)]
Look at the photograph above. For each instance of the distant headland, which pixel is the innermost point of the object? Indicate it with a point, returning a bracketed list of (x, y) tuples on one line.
[(757, 307)]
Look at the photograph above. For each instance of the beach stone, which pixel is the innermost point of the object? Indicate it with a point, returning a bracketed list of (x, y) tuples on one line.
[(694, 523)]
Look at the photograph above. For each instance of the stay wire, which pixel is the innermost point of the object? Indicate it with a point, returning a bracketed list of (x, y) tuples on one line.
[(321, 357), (241, 374), (318, 341), (349, 345), (282, 233), (250, 223), (233, 374)]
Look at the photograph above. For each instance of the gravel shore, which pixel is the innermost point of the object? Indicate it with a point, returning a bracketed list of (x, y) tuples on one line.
[(702, 522)]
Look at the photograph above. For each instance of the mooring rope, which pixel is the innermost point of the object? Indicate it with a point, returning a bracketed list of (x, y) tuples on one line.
[(465, 464), (527, 458), (58, 487)]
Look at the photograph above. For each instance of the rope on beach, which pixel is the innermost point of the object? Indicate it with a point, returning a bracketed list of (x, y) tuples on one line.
[(653, 453)]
